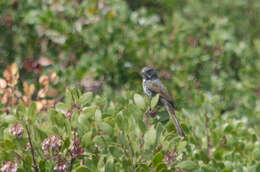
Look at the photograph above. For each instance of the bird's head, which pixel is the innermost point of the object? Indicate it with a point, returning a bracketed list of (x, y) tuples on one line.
[(149, 73)]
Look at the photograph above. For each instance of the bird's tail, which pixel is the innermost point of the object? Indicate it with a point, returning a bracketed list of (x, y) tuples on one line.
[(171, 112)]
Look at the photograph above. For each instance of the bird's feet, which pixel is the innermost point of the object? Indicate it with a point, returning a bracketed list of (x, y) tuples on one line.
[(151, 112)]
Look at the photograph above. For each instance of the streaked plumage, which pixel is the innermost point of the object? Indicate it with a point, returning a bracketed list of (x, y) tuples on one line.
[(152, 85)]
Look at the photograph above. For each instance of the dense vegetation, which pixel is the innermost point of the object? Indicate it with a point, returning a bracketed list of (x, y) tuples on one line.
[(71, 96)]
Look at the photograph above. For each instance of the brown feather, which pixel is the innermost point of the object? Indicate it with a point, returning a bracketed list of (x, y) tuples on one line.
[(171, 112), (157, 89)]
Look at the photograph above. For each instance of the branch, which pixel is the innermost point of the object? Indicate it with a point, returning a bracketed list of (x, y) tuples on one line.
[(131, 147), (35, 166), (208, 137), (71, 163)]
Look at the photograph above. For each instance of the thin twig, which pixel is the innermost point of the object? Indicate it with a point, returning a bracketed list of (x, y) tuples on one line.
[(72, 157), (208, 137), (125, 151), (35, 166), (132, 150), (71, 163)]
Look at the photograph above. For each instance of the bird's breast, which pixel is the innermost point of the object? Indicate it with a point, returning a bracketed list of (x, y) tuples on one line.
[(146, 90)]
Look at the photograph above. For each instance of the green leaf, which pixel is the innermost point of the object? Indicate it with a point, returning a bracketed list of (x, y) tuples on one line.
[(226, 170), (119, 120), (187, 165), (98, 116), (32, 112), (85, 98), (83, 121), (92, 162), (122, 122), (42, 165), (181, 146), (161, 166), (158, 158), (82, 168), (257, 154), (109, 167), (159, 130), (106, 128), (74, 119), (98, 140), (155, 101), (39, 133), (68, 98), (27, 162), (62, 107), (139, 101), (142, 126), (75, 96), (147, 154), (7, 145), (86, 138), (32, 17), (149, 138), (86, 115), (66, 143), (20, 112), (116, 151), (142, 168), (258, 167), (10, 119), (57, 118), (122, 139)]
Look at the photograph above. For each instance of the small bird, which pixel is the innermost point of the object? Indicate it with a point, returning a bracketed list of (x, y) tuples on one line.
[(152, 85)]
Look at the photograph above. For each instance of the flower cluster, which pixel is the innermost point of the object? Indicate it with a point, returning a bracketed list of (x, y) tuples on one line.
[(52, 142), (76, 150), (9, 167), (169, 157), (68, 114), (61, 166), (17, 130)]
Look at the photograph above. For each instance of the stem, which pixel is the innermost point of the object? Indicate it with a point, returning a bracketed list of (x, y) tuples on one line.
[(71, 163), (208, 137), (35, 166), (132, 150), (72, 158)]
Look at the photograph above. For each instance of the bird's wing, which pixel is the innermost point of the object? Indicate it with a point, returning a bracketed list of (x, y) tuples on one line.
[(157, 87)]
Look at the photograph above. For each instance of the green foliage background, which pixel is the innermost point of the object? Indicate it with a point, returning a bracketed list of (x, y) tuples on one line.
[(209, 49)]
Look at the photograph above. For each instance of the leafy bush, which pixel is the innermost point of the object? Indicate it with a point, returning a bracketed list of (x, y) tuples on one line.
[(207, 53), (88, 133)]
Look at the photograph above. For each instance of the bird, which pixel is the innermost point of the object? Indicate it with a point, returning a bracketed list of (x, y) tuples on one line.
[(152, 85)]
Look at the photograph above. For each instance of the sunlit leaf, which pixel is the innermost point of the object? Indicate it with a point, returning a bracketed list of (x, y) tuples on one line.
[(155, 101), (32, 112), (106, 128), (85, 98), (98, 116), (139, 101), (149, 138), (158, 158), (83, 169), (61, 107), (187, 165)]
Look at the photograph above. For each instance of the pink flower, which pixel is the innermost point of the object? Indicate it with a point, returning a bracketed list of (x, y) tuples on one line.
[(52, 142), (9, 167), (61, 166), (17, 130)]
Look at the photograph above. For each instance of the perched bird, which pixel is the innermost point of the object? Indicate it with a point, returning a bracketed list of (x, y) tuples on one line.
[(152, 85)]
